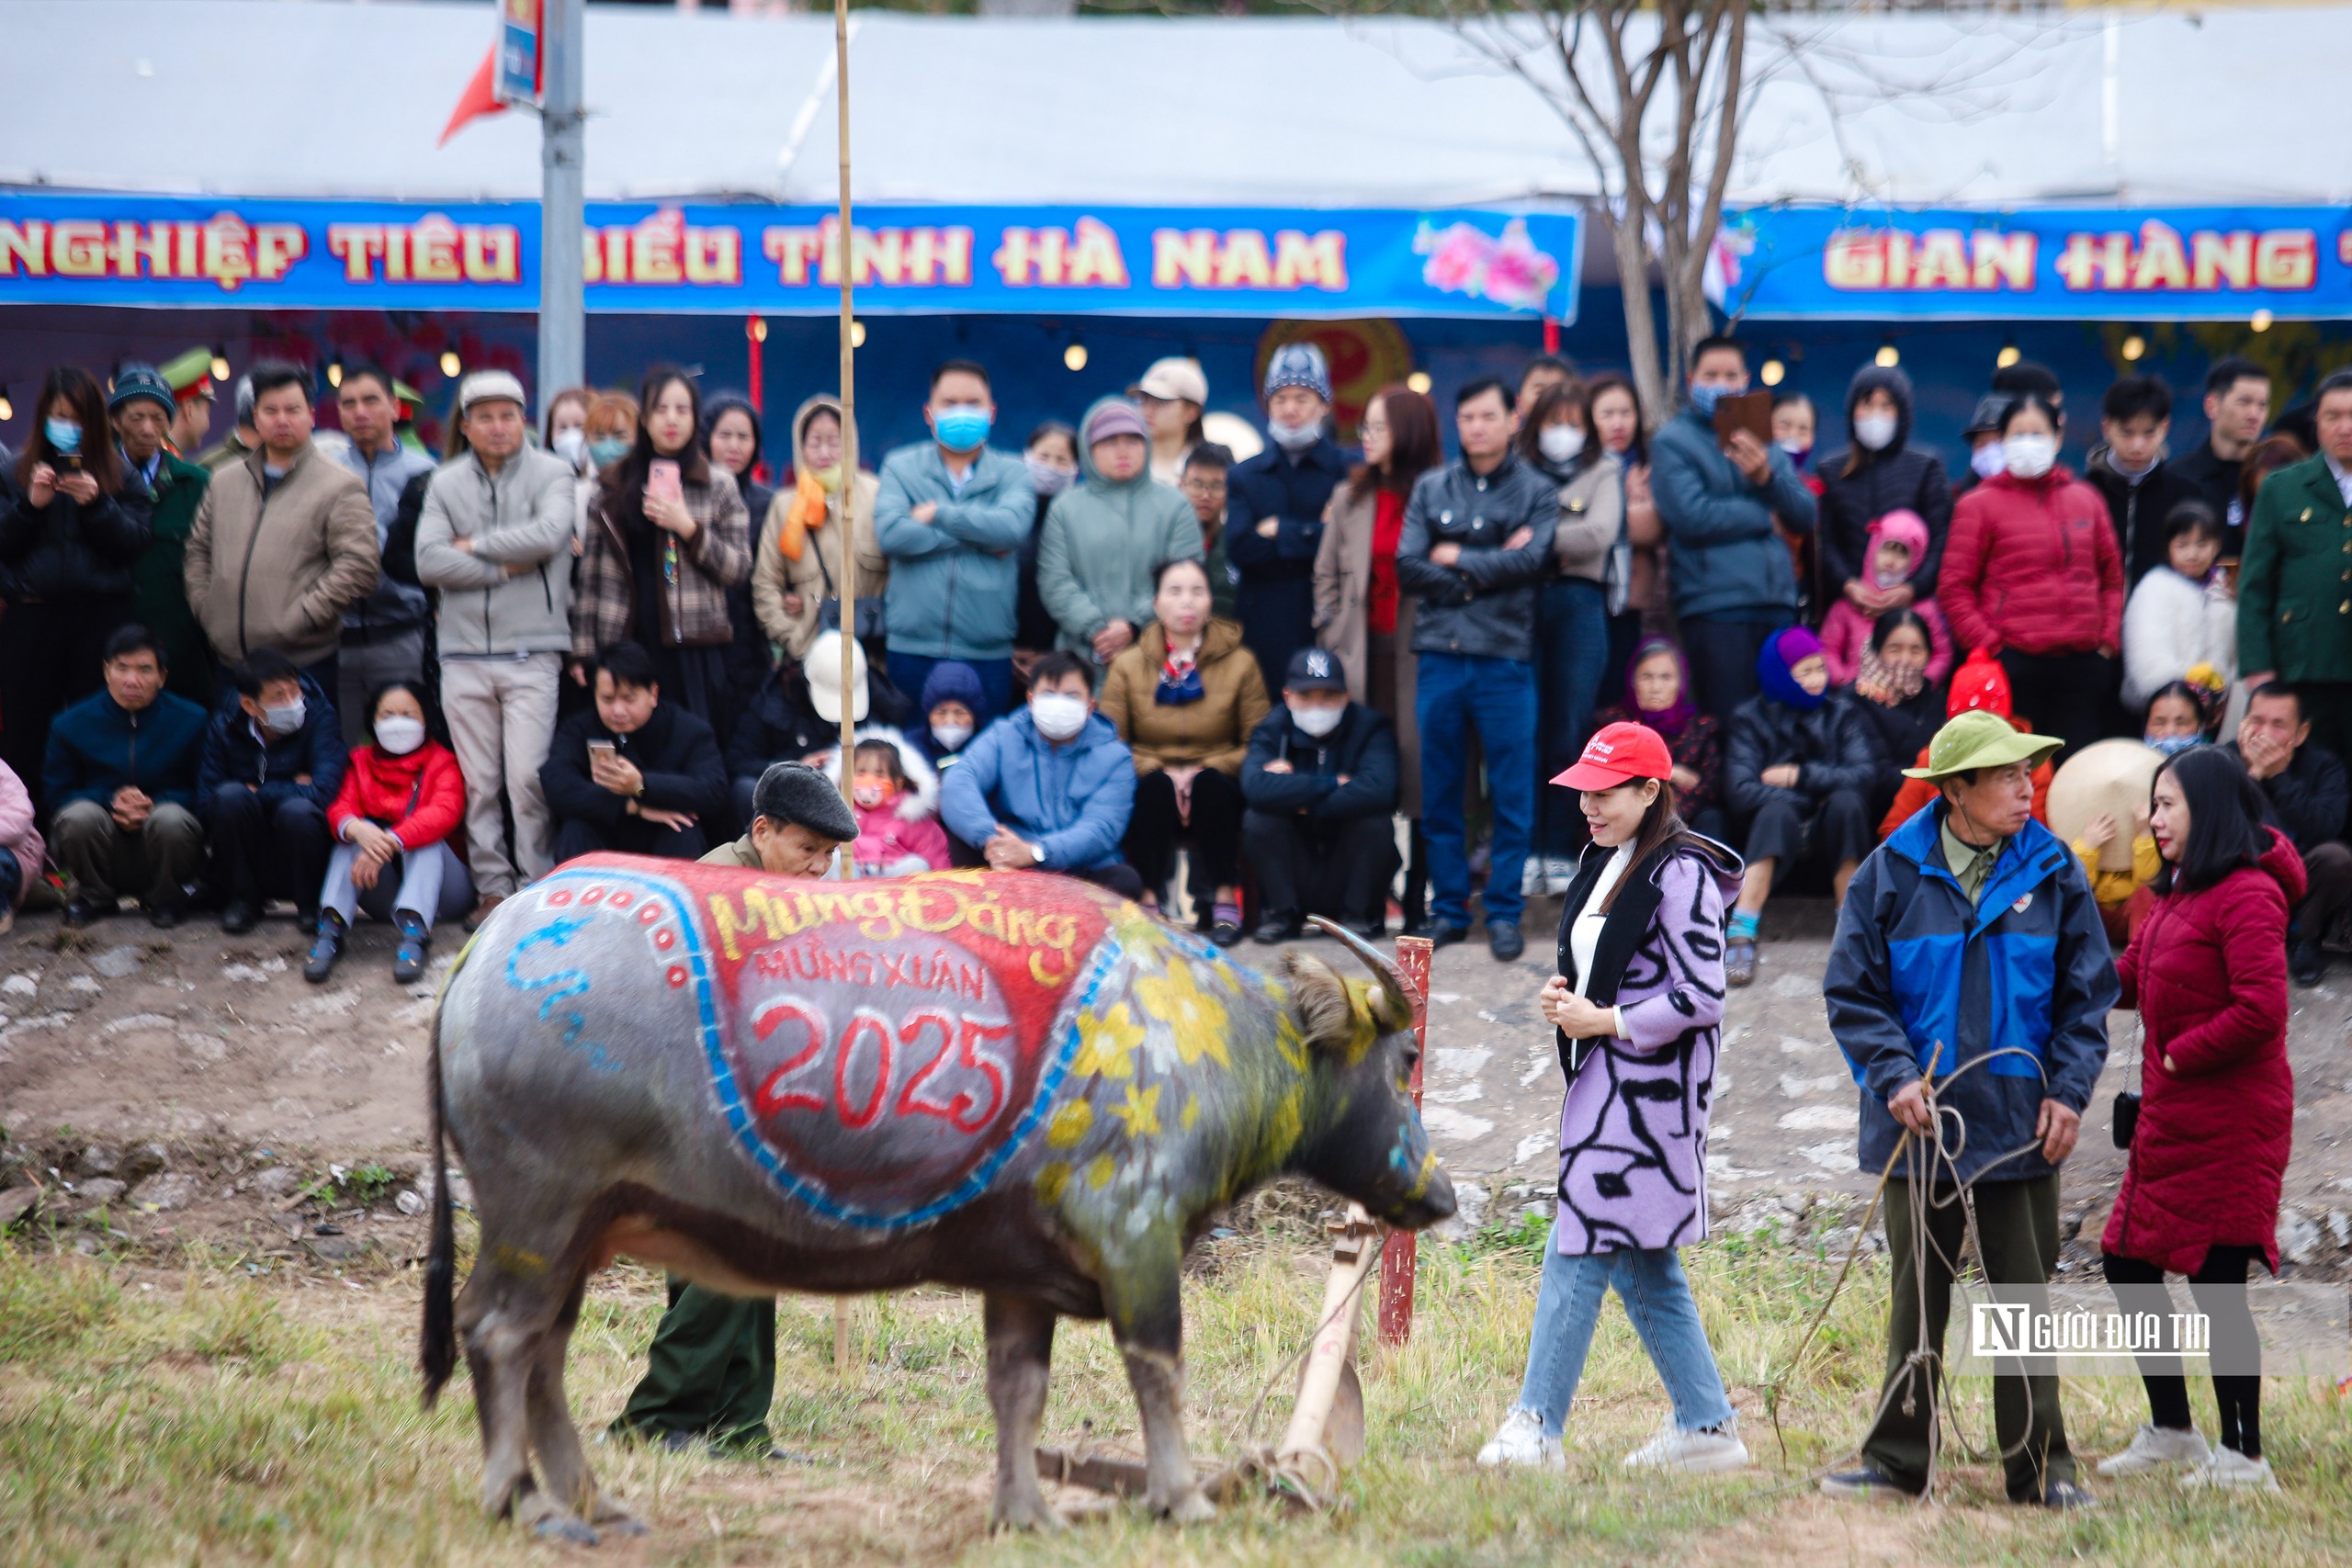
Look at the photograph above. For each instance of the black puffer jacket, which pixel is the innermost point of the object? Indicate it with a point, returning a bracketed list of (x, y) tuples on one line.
[(66, 551), (1899, 733), (1832, 747), (1861, 486)]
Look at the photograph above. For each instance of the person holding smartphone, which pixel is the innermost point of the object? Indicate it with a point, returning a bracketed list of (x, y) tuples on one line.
[(667, 536), (635, 771)]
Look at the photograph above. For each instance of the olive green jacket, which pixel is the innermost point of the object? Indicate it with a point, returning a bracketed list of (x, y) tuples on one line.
[(2295, 580)]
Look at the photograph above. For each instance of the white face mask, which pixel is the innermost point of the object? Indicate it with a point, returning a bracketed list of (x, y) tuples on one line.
[(1058, 715), (1987, 461), (1875, 430), (399, 734), (1319, 722), (2029, 455), (1294, 438), (572, 445), (1560, 442), (951, 736), (285, 719)]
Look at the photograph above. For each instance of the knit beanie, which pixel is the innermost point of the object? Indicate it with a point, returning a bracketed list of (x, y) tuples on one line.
[(1299, 364), (1981, 682), (134, 381), (1776, 662), (1115, 417)]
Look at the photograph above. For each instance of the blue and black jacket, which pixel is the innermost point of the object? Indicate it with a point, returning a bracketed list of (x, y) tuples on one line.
[(1920, 982)]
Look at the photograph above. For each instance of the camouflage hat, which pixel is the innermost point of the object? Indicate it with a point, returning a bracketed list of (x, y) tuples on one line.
[(1980, 739)]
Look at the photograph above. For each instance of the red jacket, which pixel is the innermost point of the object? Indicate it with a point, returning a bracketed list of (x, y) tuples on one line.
[(2208, 971), (2032, 565), (421, 797)]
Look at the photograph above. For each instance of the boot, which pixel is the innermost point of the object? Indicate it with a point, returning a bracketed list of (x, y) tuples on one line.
[(416, 941), (325, 948)]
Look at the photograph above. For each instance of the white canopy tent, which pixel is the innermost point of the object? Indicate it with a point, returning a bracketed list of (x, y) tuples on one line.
[(267, 98)]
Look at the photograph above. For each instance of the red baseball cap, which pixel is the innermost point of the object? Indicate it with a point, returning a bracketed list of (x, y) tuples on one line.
[(1618, 752)]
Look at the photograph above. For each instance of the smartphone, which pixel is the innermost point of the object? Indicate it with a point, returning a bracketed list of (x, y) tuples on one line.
[(67, 463), (604, 748), (661, 476), (1751, 412)]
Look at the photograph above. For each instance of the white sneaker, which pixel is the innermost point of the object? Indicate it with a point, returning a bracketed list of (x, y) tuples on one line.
[(1557, 875), (2154, 1447), (1693, 1453), (2227, 1467), (1521, 1442), (1530, 878)]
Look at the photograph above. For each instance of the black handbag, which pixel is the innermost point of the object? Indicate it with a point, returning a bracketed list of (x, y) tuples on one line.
[(2126, 1102)]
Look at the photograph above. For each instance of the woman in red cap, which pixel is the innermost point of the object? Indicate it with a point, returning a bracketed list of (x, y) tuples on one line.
[(1636, 1004)]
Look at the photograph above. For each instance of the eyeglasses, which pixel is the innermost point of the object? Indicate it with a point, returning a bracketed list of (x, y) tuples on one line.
[(1204, 487)]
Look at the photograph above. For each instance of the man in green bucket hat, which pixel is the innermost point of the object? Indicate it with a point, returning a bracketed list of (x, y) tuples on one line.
[(1970, 965)]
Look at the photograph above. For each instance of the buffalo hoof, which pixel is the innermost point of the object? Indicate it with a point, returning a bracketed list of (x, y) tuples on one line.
[(1030, 1513), (563, 1526), (1192, 1508)]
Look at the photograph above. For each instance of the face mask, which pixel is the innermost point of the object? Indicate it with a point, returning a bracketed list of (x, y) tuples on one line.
[(1987, 461), (1047, 478), (1704, 399), (1294, 438), (1316, 722), (64, 434), (607, 451), (1875, 430), (397, 733), (951, 737), (1798, 452), (829, 478), (1058, 715), (2030, 457), (1560, 442), (871, 795), (572, 445), (283, 720), (960, 427), (2174, 745)]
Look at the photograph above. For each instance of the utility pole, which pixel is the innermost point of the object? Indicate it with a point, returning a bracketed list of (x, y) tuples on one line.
[(563, 146)]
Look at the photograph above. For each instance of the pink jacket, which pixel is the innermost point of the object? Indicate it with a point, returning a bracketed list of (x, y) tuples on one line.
[(889, 833), (17, 835), (1845, 631)]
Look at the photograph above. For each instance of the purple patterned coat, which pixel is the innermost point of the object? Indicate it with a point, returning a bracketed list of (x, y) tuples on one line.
[(1634, 1128)]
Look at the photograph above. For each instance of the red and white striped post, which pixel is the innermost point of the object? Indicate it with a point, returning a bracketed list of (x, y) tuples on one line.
[(1400, 1254)]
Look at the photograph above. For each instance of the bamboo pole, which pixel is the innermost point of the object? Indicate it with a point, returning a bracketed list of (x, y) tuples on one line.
[(844, 254)]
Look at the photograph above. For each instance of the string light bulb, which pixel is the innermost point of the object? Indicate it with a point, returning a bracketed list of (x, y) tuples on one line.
[(1419, 381), (335, 374), (1774, 372), (2010, 355), (220, 367), (450, 363), (857, 335), (2134, 346), (1889, 356), (1075, 356), (759, 328), (2261, 321), (7, 409)]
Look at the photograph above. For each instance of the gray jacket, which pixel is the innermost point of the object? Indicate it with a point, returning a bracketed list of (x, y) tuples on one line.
[(522, 515), (1482, 605), (394, 607)]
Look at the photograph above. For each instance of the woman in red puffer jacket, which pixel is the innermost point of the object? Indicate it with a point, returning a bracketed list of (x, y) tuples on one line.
[(402, 800), (2208, 971), (2032, 574)]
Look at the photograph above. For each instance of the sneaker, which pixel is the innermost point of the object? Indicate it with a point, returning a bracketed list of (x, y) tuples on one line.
[(1441, 935), (166, 917), (79, 912), (1740, 960), (1711, 1452), (1530, 878), (408, 960), (2065, 1497), (2154, 1448), (1504, 941), (1276, 929), (2227, 1467), (239, 915), (1224, 924), (1520, 1443), (483, 911), (1867, 1484), (325, 949), (2305, 962), (1557, 874)]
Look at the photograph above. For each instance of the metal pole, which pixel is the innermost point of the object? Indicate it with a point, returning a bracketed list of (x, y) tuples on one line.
[(843, 252), (563, 143)]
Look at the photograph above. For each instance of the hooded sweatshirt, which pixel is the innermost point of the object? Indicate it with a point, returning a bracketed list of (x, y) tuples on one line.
[(951, 680), (1102, 537), (1846, 630), (1860, 486), (800, 543), (907, 827)]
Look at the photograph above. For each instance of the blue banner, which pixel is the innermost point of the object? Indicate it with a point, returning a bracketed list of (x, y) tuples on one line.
[(158, 251), (2136, 265)]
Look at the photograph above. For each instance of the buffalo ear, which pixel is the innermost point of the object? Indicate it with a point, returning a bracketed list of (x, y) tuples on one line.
[(1327, 1017)]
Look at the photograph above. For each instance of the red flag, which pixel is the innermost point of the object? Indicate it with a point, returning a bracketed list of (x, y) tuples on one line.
[(478, 98)]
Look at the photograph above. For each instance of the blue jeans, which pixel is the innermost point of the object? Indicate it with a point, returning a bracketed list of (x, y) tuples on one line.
[(1571, 653), (1458, 691), (1657, 1294), (12, 877), (910, 670)]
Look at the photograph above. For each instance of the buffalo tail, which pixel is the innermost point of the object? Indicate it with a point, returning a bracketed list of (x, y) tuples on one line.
[(437, 1343)]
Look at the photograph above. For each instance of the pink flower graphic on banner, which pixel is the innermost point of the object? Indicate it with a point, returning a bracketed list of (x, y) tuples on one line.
[(1508, 270)]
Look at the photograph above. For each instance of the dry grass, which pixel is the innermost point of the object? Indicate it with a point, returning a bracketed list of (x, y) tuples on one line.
[(205, 1416)]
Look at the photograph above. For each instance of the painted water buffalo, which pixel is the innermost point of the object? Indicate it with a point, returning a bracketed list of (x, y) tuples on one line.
[(1010, 1083)]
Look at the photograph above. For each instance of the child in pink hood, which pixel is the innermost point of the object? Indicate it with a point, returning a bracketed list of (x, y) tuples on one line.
[(19, 842), (896, 795), (1891, 551)]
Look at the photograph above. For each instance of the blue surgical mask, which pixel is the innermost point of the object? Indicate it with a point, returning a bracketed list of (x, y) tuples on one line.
[(960, 427), (607, 451), (64, 434), (1704, 398), (2174, 745)]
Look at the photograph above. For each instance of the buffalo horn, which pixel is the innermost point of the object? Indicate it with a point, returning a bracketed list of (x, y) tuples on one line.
[(1392, 984)]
